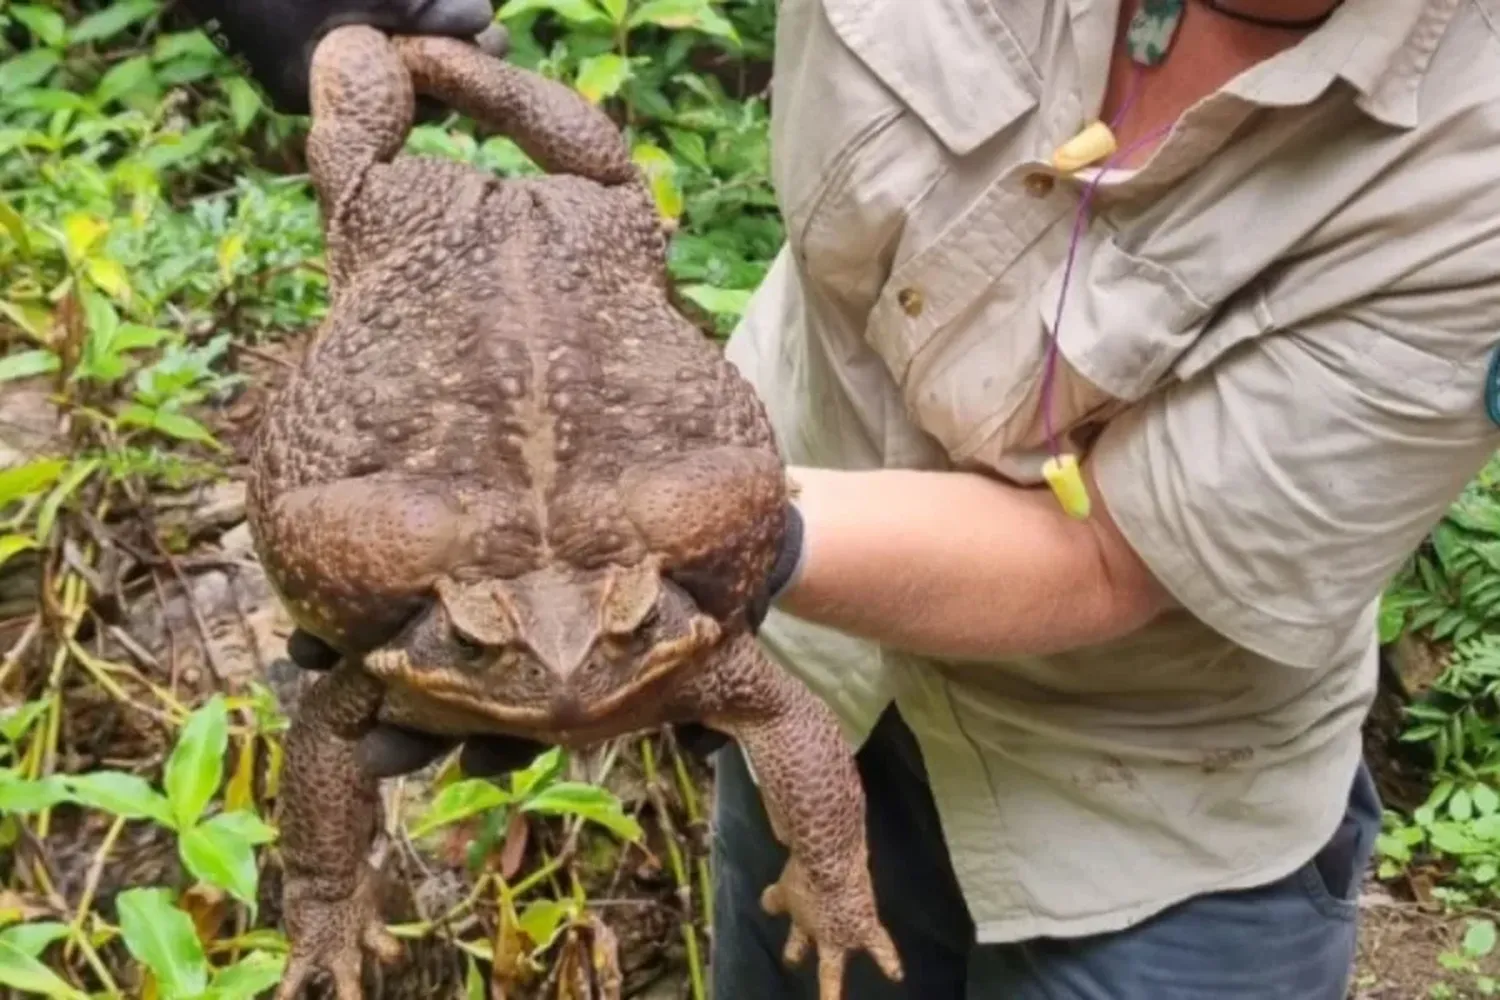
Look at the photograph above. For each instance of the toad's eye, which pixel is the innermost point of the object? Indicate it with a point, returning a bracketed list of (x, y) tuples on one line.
[(468, 650)]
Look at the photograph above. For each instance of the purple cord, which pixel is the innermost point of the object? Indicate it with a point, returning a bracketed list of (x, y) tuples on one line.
[(1079, 220)]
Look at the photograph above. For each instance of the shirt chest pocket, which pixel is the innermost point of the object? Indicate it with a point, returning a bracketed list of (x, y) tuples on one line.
[(963, 97), (965, 325)]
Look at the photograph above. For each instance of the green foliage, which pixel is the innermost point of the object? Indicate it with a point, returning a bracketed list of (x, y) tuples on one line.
[(536, 789), (705, 148), (162, 938), (1450, 588), (218, 850)]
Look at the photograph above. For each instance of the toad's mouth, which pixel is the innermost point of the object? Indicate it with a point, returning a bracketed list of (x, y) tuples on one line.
[(566, 708)]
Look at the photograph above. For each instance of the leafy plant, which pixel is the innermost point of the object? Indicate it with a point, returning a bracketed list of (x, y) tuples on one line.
[(218, 849), (162, 938)]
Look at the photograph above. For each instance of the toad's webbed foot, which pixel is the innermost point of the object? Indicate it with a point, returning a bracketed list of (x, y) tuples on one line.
[(815, 802), (331, 935), (837, 918)]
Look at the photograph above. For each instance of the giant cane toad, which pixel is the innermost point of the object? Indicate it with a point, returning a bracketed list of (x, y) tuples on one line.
[(520, 493)]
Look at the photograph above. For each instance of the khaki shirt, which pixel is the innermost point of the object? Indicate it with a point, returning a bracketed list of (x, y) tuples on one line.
[(1282, 322)]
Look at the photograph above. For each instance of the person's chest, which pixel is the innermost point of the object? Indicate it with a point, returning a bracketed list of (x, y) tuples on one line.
[(914, 165)]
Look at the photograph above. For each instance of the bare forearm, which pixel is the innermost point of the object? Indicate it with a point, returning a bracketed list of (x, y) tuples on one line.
[(959, 566)]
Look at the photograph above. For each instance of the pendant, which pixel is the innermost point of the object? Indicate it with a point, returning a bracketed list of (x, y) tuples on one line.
[(1152, 29)]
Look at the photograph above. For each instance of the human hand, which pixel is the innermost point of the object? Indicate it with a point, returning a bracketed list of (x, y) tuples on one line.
[(391, 751), (274, 39)]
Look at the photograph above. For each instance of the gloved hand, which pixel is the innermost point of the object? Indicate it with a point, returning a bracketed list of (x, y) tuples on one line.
[(274, 39)]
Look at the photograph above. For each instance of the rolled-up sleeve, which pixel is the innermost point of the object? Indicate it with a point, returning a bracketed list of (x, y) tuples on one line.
[(1275, 493)]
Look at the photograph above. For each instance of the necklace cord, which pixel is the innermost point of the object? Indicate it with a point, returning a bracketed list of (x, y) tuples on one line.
[(1080, 220)]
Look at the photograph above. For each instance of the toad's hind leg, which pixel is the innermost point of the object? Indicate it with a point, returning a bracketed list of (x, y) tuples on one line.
[(330, 815), (813, 796), (362, 106), (553, 124)]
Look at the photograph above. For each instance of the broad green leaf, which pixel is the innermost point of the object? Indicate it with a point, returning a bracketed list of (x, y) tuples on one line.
[(251, 976), (28, 363), (1450, 838), (112, 19), (231, 250), (133, 336), (34, 938), (719, 301), (661, 172), (459, 801), (539, 773), (49, 99), (132, 77), (16, 226), (1392, 620), (44, 23), (162, 938), (184, 428), (1486, 800), (216, 853), (474, 988), (13, 545), (195, 769), (246, 825), (690, 146), (33, 477), (33, 319), (17, 720), (541, 921), (244, 103), (676, 14), (119, 793), (615, 9), (602, 76), (176, 425), (20, 971), (1479, 939), (81, 231), (110, 277), (27, 69), (24, 795), (65, 487), (590, 802), (576, 11)]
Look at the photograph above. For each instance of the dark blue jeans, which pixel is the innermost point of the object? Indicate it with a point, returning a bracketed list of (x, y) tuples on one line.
[(1291, 940)]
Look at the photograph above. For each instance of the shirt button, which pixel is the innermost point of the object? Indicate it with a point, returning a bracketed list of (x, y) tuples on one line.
[(1038, 185), (910, 300)]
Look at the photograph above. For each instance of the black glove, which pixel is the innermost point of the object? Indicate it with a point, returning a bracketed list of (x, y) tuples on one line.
[(788, 564), (275, 39)]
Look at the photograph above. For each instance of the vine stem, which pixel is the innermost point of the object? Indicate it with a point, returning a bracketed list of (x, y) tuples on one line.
[(679, 869), (696, 820)]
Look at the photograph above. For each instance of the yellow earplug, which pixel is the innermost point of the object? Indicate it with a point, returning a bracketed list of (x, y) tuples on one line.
[(1065, 478), (1089, 146)]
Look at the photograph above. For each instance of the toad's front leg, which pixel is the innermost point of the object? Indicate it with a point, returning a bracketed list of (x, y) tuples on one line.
[(813, 795), (330, 816)]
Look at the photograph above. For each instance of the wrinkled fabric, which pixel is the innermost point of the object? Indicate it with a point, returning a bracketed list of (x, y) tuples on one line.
[(1274, 350), (1294, 937)]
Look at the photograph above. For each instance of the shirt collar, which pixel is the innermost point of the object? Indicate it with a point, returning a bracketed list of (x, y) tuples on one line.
[(1382, 48)]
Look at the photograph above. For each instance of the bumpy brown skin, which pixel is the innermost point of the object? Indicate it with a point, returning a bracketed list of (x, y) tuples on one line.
[(503, 467)]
